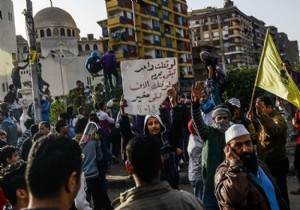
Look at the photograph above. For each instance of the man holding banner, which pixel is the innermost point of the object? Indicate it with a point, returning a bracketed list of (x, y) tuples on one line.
[(273, 77)]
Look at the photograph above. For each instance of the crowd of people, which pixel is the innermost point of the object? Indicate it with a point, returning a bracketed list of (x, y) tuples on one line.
[(235, 160)]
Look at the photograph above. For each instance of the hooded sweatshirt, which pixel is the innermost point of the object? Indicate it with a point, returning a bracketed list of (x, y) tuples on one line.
[(10, 128)]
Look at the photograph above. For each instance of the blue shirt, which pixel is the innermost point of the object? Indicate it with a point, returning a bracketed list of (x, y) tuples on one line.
[(265, 183)]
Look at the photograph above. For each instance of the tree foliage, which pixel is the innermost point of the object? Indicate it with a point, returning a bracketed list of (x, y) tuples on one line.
[(239, 84)]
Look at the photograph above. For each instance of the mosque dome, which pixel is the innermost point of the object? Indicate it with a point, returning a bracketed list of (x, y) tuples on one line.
[(54, 17)]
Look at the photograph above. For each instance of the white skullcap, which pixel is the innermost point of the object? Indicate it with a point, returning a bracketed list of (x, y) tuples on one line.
[(235, 131), (110, 103), (235, 102)]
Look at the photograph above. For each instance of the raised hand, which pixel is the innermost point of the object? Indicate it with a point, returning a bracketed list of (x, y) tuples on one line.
[(197, 89), (123, 104), (172, 96)]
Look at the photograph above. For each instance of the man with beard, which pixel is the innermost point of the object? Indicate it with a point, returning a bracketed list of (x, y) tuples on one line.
[(242, 181), (213, 143)]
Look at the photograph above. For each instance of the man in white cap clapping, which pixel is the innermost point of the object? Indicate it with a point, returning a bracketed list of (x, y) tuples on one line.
[(242, 181)]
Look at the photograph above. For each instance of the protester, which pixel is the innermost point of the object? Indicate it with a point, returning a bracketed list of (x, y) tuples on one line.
[(10, 128), (242, 181), (13, 101), (109, 62), (145, 164), (195, 152), (96, 186), (206, 105), (62, 128), (238, 117), (93, 64), (15, 74), (271, 142), (296, 123), (53, 173), (3, 140), (26, 134), (14, 185), (212, 81), (214, 142), (44, 128)]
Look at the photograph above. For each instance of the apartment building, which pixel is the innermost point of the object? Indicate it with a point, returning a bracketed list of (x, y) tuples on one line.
[(150, 29), (230, 31)]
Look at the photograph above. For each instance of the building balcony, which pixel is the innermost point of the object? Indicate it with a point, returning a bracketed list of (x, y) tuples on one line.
[(116, 21)]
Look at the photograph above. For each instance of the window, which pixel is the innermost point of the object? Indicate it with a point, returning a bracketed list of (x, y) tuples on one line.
[(87, 47), (55, 32), (153, 8), (25, 50), (129, 15), (165, 14), (48, 32), (95, 47), (206, 36), (73, 33), (0, 14), (155, 23), (10, 16), (68, 32), (42, 33), (62, 32), (79, 48), (158, 52), (130, 32), (156, 38)]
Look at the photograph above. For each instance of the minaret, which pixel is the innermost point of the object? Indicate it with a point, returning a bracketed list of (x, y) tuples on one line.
[(228, 3), (51, 3)]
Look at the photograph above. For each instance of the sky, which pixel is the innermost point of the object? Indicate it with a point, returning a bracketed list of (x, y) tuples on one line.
[(282, 14)]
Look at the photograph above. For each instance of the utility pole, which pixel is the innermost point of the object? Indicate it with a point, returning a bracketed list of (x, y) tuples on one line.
[(33, 61), (135, 28)]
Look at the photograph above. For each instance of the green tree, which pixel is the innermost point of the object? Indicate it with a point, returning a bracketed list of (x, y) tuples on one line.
[(57, 107), (239, 84)]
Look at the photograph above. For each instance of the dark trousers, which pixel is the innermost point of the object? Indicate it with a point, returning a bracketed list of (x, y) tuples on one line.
[(98, 190), (279, 169)]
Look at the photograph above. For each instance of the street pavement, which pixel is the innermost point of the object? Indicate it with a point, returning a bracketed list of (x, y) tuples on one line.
[(118, 181)]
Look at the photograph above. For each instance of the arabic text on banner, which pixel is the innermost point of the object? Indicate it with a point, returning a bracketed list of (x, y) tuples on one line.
[(146, 82)]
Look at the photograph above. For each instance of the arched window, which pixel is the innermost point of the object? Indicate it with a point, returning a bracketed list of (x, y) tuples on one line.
[(42, 33), (25, 49), (68, 32), (55, 32), (95, 47), (49, 32), (87, 47), (73, 33), (79, 48), (62, 32)]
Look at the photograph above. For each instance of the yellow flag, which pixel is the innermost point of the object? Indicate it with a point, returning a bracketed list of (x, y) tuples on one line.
[(272, 75)]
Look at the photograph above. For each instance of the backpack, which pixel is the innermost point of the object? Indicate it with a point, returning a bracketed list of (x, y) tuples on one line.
[(95, 65)]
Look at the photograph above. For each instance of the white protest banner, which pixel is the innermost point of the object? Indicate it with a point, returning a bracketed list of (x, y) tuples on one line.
[(146, 82)]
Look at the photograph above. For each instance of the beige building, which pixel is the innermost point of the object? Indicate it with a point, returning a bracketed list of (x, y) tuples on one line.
[(150, 29), (229, 30)]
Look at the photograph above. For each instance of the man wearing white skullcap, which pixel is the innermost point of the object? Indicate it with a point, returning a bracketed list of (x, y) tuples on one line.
[(242, 181)]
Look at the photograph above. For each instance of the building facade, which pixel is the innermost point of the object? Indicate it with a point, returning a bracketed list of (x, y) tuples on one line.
[(229, 30), (8, 44), (150, 29), (61, 52)]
